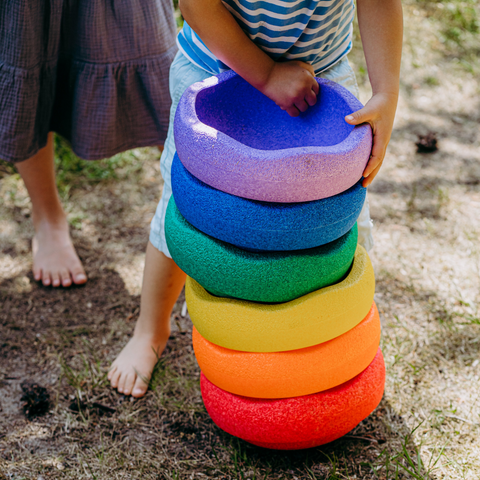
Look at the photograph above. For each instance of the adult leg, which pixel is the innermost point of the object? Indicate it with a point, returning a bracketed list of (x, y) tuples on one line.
[(55, 261), (162, 283)]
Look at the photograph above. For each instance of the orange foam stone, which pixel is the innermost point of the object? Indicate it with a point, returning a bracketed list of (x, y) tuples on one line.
[(299, 422), (295, 372)]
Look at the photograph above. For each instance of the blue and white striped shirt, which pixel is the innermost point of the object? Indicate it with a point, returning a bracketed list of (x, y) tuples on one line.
[(318, 32)]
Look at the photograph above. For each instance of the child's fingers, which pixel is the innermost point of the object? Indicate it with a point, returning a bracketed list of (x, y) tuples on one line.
[(302, 105), (363, 115), (311, 98), (367, 181), (293, 111), (307, 67), (378, 154), (379, 112), (376, 157), (374, 162), (379, 142)]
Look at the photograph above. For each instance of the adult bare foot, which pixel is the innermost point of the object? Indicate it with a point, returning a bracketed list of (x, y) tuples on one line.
[(55, 261), (130, 373)]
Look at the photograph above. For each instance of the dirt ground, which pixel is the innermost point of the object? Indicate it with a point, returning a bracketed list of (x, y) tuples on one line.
[(426, 211)]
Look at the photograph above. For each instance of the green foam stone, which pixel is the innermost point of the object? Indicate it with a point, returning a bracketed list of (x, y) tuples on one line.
[(271, 277)]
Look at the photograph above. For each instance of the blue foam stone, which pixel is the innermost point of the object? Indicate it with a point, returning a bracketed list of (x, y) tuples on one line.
[(264, 226)]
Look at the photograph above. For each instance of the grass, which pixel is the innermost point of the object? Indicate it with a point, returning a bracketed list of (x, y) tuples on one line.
[(457, 23), (74, 173), (460, 20)]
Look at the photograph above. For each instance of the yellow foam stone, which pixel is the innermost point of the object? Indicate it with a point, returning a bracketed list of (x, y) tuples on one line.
[(308, 320)]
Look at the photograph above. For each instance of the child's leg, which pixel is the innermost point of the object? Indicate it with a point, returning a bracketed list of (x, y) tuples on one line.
[(163, 280), (55, 261), (162, 283)]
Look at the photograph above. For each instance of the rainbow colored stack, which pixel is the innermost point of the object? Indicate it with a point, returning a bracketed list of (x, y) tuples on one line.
[(263, 221)]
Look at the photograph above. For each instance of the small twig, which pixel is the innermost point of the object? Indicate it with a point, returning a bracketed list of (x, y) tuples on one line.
[(373, 440), (135, 312), (78, 406), (113, 305), (460, 418), (105, 408), (30, 308)]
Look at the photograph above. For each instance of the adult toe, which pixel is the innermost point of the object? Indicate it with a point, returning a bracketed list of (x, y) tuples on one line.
[(37, 274), (56, 281), (65, 277), (46, 278), (79, 276)]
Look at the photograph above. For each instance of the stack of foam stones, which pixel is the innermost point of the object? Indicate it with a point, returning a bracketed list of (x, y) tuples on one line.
[(263, 221)]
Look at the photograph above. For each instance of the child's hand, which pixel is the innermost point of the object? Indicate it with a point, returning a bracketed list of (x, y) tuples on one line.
[(292, 86), (379, 112)]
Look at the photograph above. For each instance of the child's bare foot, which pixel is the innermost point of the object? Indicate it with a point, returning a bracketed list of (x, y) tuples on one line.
[(162, 283), (55, 261), (130, 373)]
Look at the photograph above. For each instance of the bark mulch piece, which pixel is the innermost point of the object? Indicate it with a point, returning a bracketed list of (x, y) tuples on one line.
[(35, 400), (427, 143)]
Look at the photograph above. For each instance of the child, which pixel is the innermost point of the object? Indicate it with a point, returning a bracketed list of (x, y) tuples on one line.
[(278, 46), (96, 72)]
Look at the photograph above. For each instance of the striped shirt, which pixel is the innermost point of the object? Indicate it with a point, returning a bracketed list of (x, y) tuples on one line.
[(318, 32)]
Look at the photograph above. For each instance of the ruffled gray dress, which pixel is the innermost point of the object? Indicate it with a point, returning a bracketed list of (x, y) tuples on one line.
[(95, 71)]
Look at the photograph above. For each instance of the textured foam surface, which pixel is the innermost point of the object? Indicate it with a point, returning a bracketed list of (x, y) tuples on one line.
[(261, 225), (228, 271), (306, 321), (234, 138), (294, 373), (299, 422)]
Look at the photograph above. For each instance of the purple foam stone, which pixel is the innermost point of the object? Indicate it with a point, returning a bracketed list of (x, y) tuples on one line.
[(233, 138)]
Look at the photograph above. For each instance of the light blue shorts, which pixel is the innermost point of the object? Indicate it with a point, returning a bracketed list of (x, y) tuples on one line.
[(183, 73)]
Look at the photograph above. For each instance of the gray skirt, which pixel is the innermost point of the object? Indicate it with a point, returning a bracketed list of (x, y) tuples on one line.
[(95, 71)]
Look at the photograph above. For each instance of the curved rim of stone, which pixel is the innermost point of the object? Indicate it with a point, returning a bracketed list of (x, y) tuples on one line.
[(228, 271), (306, 321), (298, 422), (296, 174), (264, 226), (294, 373)]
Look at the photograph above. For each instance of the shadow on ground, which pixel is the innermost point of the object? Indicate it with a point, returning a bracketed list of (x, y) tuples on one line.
[(65, 339)]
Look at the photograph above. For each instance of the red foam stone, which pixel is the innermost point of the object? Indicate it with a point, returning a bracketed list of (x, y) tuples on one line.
[(299, 422)]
